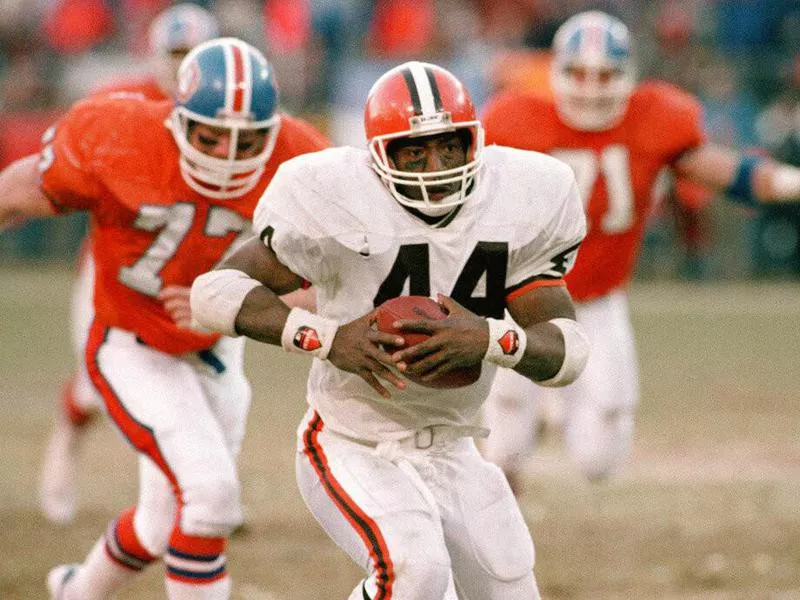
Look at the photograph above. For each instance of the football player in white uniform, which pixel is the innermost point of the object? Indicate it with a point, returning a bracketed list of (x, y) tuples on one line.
[(387, 466)]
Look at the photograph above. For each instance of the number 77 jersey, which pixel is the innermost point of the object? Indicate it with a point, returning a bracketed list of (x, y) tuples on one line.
[(115, 158), (616, 169)]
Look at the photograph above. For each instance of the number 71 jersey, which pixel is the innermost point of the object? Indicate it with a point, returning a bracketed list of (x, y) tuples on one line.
[(616, 169), (115, 158), (328, 218)]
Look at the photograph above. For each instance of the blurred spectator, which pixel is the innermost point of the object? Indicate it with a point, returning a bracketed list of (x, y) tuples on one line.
[(25, 85), (730, 112), (526, 65), (29, 74), (734, 54), (73, 26), (288, 35), (506, 22), (241, 18), (403, 29), (778, 125), (775, 233), (134, 18)]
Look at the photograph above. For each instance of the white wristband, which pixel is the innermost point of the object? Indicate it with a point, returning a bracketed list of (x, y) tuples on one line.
[(216, 298), (576, 353), (507, 342), (786, 182), (307, 333)]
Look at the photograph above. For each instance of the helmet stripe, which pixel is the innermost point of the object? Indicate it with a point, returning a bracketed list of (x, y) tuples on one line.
[(437, 98), (192, 30), (246, 86), (237, 105), (412, 91), (238, 80), (594, 39), (173, 27), (423, 89)]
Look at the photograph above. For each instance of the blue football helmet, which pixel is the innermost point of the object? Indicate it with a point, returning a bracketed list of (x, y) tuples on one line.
[(593, 71), (172, 34), (225, 83)]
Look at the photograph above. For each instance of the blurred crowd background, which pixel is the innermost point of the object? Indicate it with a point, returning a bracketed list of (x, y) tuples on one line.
[(740, 57)]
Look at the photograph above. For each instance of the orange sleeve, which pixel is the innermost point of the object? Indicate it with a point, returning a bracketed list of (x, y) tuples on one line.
[(144, 86), (507, 120), (303, 137), (67, 159), (674, 118)]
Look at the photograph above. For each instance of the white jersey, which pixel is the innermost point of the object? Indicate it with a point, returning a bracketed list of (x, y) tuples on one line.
[(329, 218)]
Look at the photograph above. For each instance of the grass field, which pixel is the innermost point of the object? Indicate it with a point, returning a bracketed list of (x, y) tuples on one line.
[(708, 508)]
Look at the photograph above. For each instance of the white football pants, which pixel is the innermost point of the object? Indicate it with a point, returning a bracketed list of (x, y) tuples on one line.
[(424, 523), (186, 415), (598, 408), (85, 395)]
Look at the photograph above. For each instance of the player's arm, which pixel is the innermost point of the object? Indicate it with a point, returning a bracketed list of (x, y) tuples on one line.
[(241, 297), (556, 347), (746, 179), (543, 342), (20, 194)]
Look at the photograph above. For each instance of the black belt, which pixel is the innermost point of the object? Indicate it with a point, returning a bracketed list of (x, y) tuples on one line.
[(207, 356)]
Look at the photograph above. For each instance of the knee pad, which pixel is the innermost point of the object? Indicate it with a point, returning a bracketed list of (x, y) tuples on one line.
[(418, 578), (211, 509), (155, 509)]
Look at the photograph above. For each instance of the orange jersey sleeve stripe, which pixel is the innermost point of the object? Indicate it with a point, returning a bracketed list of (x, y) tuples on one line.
[(537, 283)]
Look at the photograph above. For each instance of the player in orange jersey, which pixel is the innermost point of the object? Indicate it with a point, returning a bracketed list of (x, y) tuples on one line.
[(171, 188), (172, 34), (617, 136)]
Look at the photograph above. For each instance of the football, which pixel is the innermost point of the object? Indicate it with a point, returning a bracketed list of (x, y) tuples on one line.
[(422, 307)]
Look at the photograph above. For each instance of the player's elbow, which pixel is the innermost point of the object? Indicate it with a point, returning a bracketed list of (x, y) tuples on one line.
[(20, 195), (576, 353), (216, 298)]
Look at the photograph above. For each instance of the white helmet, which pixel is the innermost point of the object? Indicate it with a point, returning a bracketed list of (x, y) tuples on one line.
[(593, 72), (172, 34)]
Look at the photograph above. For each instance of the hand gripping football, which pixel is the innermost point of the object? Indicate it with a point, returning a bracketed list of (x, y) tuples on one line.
[(422, 307)]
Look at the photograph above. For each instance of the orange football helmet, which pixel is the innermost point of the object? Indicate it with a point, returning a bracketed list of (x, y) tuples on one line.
[(420, 99)]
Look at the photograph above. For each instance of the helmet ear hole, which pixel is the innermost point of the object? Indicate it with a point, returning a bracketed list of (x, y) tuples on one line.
[(466, 139), (392, 147)]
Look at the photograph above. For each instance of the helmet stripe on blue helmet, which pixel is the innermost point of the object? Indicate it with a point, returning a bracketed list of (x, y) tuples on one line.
[(238, 92)]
